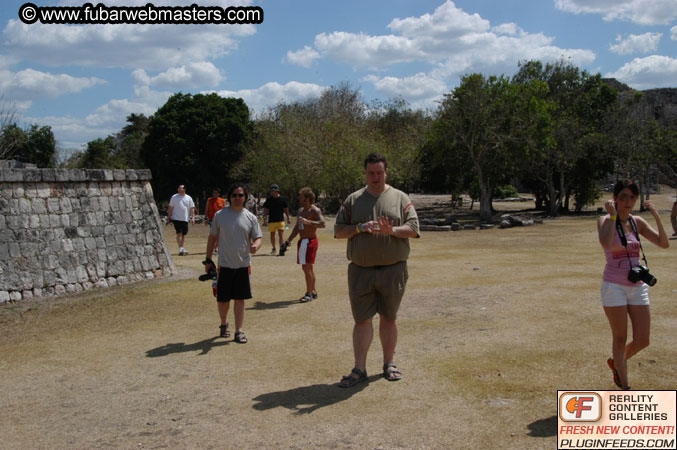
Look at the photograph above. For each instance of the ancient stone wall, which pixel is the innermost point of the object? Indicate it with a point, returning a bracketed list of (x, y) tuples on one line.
[(68, 230)]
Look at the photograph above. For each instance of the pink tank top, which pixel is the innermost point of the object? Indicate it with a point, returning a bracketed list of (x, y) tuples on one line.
[(617, 264)]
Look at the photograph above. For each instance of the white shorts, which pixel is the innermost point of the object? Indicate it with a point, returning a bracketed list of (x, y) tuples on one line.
[(618, 295)]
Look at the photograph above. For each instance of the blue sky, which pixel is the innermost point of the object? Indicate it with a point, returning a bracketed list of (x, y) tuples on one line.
[(84, 80)]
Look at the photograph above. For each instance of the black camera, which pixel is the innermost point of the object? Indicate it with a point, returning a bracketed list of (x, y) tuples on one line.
[(211, 271), (283, 248), (641, 273)]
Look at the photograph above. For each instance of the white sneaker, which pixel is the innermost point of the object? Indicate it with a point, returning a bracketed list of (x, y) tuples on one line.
[(185, 252), (181, 251)]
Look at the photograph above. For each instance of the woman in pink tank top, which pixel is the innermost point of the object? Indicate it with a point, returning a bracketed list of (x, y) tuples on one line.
[(620, 297)]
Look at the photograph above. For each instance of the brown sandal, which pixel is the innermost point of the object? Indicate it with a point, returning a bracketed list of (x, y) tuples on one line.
[(240, 338), (350, 380), (224, 333), (391, 372)]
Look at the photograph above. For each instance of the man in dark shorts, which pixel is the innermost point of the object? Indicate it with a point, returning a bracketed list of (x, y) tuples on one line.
[(378, 221), (308, 221), (274, 209), (239, 236), (181, 210)]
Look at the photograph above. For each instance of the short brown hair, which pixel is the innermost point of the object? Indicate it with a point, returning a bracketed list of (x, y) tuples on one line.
[(622, 184), (308, 193), (376, 157)]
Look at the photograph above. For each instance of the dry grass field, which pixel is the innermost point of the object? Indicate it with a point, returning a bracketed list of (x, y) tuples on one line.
[(493, 323)]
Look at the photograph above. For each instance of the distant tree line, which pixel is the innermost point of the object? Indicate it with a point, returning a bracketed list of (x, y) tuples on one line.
[(552, 129)]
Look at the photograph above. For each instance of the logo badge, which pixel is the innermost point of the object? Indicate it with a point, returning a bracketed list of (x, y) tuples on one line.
[(580, 407)]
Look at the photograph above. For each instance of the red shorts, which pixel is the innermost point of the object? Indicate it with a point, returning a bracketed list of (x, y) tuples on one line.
[(307, 249)]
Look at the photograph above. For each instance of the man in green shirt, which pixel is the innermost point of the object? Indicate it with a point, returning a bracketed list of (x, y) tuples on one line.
[(378, 221)]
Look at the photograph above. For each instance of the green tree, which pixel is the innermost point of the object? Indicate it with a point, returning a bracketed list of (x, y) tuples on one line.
[(580, 103), (35, 144), (478, 120), (98, 155), (319, 142), (130, 140), (195, 140), (404, 133)]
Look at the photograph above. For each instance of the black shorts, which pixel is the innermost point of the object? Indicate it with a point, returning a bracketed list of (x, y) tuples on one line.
[(233, 284), (180, 227)]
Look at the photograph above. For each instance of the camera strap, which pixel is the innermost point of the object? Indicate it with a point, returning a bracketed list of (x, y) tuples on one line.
[(624, 241)]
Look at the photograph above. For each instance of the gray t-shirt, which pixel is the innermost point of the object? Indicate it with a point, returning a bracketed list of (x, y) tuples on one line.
[(367, 250), (236, 230)]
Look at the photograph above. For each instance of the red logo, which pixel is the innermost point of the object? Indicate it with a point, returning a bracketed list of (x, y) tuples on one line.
[(580, 407)]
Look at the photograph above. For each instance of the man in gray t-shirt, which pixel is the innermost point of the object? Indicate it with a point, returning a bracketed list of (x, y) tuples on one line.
[(239, 236), (377, 221)]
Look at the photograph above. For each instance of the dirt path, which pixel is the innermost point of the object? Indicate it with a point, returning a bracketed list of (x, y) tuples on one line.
[(493, 323)]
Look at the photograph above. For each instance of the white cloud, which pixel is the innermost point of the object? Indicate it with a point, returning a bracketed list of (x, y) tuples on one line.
[(673, 33), (645, 73), (644, 12), (415, 86), (258, 100), (368, 51), (507, 28), (636, 43), (29, 84), (420, 90), (74, 132), (154, 47), (449, 38), (447, 21), (304, 57), (192, 75)]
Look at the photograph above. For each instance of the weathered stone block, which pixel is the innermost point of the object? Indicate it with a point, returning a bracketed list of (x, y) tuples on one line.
[(43, 190), (33, 175), (53, 205), (62, 175), (96, 174), (12, 175), (48, 174), (12, 222), (119, 175), (77, 175), (25, 206), (54, 220), (38, 206), (14, 250)]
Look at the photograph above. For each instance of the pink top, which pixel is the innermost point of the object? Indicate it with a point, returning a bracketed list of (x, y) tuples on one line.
[(617, 265)]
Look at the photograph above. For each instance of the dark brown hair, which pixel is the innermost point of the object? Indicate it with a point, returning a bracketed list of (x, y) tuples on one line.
[(626, 183), (376, 158)]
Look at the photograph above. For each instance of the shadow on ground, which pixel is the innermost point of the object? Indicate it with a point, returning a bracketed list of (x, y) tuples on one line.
[(306, 399), (261, 306), (543, 428), (203, 346)]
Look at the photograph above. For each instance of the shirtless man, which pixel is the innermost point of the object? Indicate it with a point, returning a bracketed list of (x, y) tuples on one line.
[(308, 221)]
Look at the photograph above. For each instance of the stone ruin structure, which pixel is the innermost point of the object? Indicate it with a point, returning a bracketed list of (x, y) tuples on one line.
[(69, 230)]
